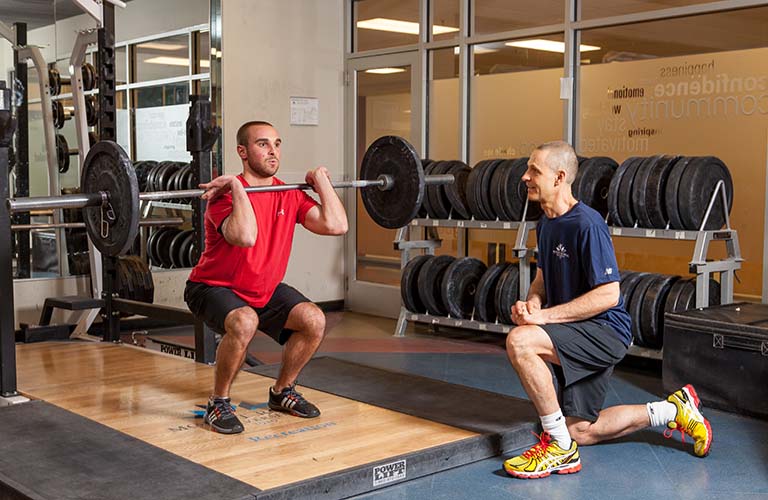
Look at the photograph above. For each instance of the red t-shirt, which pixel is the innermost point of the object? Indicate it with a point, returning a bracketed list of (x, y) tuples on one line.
[(252, 273)]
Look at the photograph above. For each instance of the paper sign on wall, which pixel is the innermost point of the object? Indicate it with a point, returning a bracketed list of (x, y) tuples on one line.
[(305, 111)]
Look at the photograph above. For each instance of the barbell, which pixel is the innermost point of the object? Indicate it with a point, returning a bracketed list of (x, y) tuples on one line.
[(392, 184)]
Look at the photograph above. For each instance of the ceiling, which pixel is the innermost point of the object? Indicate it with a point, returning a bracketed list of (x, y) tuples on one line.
[(37, 13)]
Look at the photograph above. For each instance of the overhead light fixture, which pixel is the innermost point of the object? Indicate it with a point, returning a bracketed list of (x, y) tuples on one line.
[(162, 46), (477, 49), (397, 26), (175, 61), (385, 71), (547, 45)]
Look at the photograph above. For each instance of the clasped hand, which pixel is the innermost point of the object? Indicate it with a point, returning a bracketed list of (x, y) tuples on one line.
[(528, 313)]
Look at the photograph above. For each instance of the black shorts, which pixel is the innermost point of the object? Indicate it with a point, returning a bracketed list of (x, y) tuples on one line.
[(588, 351), (211, 304)]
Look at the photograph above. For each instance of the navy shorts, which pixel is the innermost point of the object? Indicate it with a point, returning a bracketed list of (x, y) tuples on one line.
[(588, 351), (211, 304)]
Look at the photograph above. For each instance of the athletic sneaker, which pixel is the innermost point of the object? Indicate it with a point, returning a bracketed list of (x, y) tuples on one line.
[(220, 415), (291, 401), (543, 459), (689, 420)]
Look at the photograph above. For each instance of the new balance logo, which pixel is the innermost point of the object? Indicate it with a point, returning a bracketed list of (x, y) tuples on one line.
[(560, 251)]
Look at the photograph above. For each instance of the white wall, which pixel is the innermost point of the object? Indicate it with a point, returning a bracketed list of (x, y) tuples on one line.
[(270, 53)]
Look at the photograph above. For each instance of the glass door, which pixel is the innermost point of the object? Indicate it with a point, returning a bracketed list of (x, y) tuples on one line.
[(383, 98)]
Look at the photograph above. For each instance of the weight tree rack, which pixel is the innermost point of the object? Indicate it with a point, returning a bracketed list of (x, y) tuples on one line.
[(698, 265)]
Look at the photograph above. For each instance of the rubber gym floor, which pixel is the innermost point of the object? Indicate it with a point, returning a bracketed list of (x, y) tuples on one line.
[(643, 465)]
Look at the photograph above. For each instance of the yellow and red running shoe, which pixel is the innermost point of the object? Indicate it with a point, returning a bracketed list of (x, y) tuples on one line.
[(689, 420), (543, 459)]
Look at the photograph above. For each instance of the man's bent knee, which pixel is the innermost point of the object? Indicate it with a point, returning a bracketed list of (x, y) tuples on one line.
[(242, 323), (308, 319), (520, 340)]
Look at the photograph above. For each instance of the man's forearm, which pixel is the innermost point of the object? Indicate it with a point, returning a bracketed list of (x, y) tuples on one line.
[(592, 303)]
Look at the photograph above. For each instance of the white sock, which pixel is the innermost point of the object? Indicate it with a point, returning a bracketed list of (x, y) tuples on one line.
[(554, 424), (661, 412)]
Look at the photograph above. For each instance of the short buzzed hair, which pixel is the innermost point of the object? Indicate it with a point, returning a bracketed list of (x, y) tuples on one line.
[(561, 157), (242, 132)]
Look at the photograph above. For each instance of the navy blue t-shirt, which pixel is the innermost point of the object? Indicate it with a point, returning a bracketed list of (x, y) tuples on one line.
[(576, 255)]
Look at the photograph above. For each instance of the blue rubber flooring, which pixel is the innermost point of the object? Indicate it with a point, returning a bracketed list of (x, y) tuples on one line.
[(640, 466)]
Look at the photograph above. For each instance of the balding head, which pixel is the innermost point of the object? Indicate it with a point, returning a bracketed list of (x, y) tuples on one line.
[(561, 156)]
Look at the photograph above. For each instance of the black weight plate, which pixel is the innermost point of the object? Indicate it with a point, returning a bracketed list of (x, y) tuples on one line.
[(627, 286), (194, 253), (481, 191), (637, 198), (179, 185), (136, 277), (687, 298), (673, 296), (485, 297), (145, 278), (438, 201), (696, 188), (62, 153), (91, 111), (57, 111), (613, 191), (143, 169), (636, 305), (626, 212), (507, 293), (592, 182), (166, 174), (671, 191), (151, 254), (149, 282), (459, 286), (652, 208), (426, 207), (54, 81), (429, 282), (189, 179), (393, 156), (151, 174), (425, 163), (163, 247), (533, 212), (471, 191), (485, 189), (497, 191), (184, 249), (108, 168), (177, 260), (89, 76), (512, 199), (652, 310), (140, 288), (457, 191)]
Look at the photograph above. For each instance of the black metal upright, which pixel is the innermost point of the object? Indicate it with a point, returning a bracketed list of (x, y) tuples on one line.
[(21, 150), (202, 134), (108, 132), (7, 314)]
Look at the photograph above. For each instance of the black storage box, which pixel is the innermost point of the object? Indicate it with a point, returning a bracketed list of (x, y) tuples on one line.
[(723, 352)]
